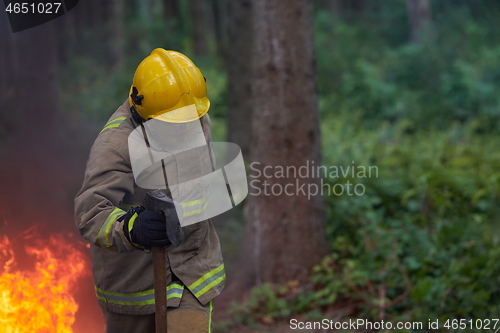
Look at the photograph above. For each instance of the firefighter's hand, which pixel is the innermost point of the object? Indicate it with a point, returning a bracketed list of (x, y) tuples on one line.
[(146, 229)]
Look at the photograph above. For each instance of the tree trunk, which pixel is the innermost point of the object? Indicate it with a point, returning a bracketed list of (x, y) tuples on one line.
[(94, 12), (6, 58), (220, 11), (37, 83), (117, 33), (239, 96), (67, 38), (419, 16), (79, 17), (7, 67), (199, 25), (170, 10), (286, 232)]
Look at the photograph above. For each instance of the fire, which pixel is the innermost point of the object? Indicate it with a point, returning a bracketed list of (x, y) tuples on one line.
[(39, 299)]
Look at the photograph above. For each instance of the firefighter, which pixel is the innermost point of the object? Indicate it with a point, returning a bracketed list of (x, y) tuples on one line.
[(110, 216)]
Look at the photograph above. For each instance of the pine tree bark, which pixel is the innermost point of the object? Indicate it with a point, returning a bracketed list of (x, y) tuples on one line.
[(419, 15), (239, 71), (285, 232)]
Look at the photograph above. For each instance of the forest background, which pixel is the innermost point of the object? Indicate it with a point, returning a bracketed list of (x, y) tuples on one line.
[(411, 87)]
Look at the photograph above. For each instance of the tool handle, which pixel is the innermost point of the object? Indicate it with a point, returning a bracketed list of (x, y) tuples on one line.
[(160, 285)]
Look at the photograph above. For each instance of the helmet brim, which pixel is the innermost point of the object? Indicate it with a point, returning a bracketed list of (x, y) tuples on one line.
[(185, 114)]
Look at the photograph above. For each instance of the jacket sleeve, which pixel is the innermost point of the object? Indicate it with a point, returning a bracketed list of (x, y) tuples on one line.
[(108, 178)]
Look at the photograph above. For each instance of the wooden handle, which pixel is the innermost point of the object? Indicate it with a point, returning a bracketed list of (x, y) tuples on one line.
[(160, 285)]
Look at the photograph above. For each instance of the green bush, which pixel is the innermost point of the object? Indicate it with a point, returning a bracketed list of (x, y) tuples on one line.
[(422, 241), (420, 244)]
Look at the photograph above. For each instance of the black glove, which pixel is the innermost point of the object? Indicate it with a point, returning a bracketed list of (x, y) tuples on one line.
[(145, 229)]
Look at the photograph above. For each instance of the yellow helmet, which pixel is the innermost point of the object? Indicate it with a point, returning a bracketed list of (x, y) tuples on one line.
[(168, 86)]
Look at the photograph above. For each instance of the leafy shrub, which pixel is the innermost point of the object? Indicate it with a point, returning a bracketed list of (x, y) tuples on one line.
[(421, 242)]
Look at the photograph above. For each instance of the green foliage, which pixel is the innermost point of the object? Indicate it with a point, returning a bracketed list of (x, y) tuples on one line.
[(263, 302), (422, 239), (91, 90), (369, 65)]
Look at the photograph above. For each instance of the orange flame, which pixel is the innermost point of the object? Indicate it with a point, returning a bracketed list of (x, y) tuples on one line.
[(39, 300)]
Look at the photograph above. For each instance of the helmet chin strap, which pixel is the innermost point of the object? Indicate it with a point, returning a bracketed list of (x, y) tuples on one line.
[(136, 116), (136, 99)]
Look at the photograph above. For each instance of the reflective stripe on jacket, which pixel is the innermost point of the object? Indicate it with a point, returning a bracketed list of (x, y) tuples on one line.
[(174, 295), (123, 275)]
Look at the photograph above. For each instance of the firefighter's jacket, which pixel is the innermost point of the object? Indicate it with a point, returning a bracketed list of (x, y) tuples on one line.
[(123, 274)]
